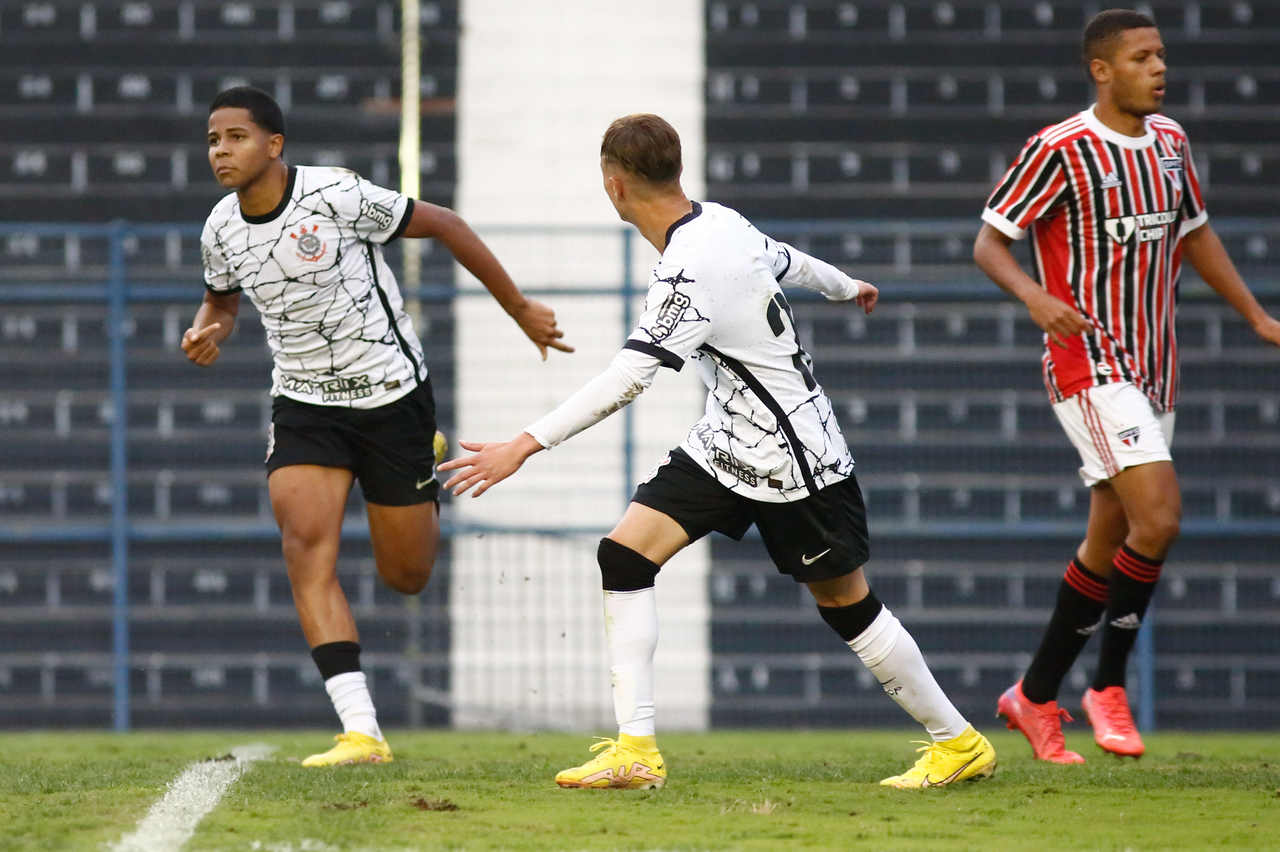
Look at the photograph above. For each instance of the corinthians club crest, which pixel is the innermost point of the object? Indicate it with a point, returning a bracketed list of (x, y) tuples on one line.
[(309, 247)]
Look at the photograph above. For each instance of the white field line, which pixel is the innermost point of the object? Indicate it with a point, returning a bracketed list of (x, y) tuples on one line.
[(173, 819)]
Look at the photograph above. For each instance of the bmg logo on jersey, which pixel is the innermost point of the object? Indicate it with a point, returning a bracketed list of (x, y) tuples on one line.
[(381, 215), (309, 247), (1146, 226), (669, 314)]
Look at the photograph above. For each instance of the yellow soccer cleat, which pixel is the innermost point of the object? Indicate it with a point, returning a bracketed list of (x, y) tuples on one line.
[(440, 444), (968, 757), (624, 764), (352, 747)]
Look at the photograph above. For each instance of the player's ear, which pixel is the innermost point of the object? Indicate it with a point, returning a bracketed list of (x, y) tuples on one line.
[(1099, 70), (275, 145)]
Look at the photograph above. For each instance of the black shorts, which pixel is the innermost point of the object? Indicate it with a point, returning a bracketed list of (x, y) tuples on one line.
[(820, 537), (389, 448)]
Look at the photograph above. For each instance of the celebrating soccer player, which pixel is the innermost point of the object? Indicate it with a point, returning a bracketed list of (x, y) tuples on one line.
[(352, 399), (768, 451), (1112, 202)]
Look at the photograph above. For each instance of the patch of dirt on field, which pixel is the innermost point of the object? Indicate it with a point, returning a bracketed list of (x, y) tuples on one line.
[(433, 804), (219, 759), (345, 806)]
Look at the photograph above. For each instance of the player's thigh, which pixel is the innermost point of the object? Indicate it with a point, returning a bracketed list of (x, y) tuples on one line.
[(308, 501), (1114, 428), (405, 539), (1150, 494), (654, 535), (678, 503), (820, 538)]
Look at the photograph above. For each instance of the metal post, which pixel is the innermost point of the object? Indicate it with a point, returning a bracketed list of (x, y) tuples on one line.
[(117, 314), (1147, 671), (628, 416)]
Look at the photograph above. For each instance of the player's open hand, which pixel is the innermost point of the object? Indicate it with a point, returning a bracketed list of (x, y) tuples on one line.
[(1056, 318), (200, 346), (868, 295), (538, 322), (489, 464)]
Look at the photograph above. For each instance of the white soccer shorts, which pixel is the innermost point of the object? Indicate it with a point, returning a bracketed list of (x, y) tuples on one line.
[(1113, 427)]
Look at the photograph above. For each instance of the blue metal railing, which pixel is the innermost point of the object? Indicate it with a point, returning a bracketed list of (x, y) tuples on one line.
[(117, 292)]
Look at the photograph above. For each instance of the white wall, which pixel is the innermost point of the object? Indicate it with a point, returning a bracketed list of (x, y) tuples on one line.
[(538, 84)]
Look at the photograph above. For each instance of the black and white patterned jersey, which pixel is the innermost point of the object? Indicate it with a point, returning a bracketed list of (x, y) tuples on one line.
[(313, 267), (769, 431)]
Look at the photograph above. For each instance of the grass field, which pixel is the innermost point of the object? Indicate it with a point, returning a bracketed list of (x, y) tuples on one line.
[(727, 790)]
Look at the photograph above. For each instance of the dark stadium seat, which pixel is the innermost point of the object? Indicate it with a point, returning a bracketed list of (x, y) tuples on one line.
[(132, 20), (239, 18), (42, 20), (39, 88), (115, 90), (130, 169)]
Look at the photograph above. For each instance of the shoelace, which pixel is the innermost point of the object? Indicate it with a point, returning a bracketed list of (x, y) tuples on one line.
[(605, 742), (1117, 716), (1058, 716), (932, 750)]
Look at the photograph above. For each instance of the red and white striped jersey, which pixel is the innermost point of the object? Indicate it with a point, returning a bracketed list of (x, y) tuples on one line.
[(1106, 213)]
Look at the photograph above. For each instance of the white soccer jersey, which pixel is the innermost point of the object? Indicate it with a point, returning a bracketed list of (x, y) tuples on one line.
[(313, 267), (769, 432)]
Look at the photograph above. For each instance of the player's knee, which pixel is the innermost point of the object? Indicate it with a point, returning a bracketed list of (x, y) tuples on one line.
[(406, 577), (622, 569), (1160, 527)]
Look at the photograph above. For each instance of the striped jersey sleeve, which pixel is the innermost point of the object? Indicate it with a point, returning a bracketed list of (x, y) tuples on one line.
[(1033, 186)]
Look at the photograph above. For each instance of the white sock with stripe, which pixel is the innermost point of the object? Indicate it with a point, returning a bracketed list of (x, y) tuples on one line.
[(887, 649), (631, 630), (349, 693)]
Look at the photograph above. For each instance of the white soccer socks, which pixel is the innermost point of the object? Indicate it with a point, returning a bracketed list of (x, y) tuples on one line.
[(349, 693), (631, 630), (887, 649)]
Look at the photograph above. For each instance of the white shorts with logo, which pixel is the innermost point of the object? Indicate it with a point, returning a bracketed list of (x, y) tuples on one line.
[(1114, 427)]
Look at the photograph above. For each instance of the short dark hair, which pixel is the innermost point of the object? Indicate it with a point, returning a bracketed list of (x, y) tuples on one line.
[(262, 108), (644, 145), (1104, 27)]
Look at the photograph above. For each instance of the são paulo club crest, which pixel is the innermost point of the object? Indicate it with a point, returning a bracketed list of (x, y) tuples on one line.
[(1129, 437), (309, 247)]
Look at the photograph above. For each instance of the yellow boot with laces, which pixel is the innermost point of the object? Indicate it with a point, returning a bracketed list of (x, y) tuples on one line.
[(968, 757)]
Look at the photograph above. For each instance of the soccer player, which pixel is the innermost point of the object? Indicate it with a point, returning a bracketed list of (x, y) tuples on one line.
[(1112, 202), (768, 451), (352, 397)]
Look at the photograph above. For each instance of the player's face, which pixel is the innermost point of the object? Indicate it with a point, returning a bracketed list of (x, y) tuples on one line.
[(1137, 71), (239, 150)]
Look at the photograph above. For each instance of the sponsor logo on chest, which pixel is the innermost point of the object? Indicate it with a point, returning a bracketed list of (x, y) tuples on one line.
[(1141, 227)]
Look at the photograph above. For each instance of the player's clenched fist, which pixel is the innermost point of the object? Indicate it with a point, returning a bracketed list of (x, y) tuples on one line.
[(200, 346)]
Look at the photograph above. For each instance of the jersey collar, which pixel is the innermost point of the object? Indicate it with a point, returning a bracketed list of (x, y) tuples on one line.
[(284, 201), (1108, 135), (688, 217)]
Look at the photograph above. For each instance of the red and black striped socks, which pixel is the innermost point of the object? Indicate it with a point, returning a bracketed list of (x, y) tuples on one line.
[(1133, 582), (1082, 599)]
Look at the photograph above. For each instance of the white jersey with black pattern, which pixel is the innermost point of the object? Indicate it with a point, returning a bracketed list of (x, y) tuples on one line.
[(769, 431), (313, 268)]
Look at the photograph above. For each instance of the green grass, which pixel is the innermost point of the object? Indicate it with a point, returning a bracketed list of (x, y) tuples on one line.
[(728, 790)]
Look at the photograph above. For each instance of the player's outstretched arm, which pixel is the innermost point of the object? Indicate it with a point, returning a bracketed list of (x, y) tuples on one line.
[(214, 321), (626, 377), (1054, 317), (489, 464), (535, 319), (1207, 254), (803, 270)]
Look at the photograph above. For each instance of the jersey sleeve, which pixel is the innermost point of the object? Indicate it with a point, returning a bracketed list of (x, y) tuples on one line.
[(1033, 186), (627, 376), (675, 321), (377, 214), (794, 268), (218, 275), (1193, 210)]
